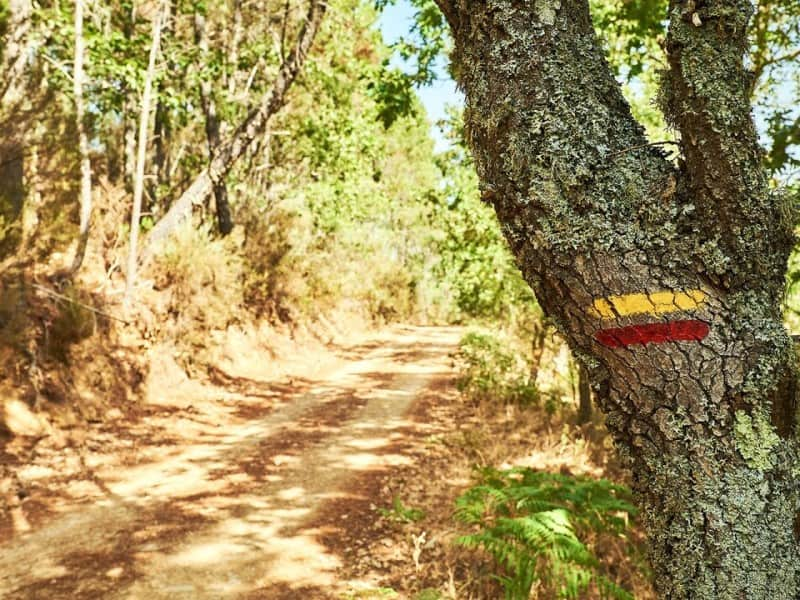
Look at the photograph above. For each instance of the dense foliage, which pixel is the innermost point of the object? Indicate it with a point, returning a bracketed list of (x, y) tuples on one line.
[(341, 199), (535, 525), (494, 369)]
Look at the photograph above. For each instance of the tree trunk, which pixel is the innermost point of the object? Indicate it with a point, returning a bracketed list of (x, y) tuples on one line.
[(162, 133), (138, 182), (162, 138), (221, 205), (233, 148), (537, 350), (15, 52), (584, 396), (233, 48), (666, 281), (14, 79), (128, 108), (33, 199), (129, 141), (85, 194)]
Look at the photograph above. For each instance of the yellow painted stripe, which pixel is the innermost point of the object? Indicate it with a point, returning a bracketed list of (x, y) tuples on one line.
[(653, 303)]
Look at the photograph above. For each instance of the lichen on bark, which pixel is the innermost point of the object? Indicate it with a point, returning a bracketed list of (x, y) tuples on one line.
[(591, 211), (546, 10), (755, 439)]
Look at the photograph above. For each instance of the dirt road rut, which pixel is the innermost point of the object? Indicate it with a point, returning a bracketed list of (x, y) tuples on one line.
[(216, 499)]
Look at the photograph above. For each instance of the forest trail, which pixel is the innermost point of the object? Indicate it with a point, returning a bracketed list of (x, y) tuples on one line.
[(221, 498)]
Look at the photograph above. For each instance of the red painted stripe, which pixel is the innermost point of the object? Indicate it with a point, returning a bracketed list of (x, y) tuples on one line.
[(653, 333)]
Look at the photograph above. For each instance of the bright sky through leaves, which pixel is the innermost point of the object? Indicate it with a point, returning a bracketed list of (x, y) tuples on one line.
[(396, 21)]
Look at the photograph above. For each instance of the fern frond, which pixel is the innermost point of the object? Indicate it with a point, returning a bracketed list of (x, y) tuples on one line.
[(532, 524)]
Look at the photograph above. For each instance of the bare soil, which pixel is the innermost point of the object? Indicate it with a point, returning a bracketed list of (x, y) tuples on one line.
[(254, 491), (337, 482)]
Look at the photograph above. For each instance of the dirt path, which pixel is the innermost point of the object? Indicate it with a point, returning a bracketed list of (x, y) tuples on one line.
[(220, 498)]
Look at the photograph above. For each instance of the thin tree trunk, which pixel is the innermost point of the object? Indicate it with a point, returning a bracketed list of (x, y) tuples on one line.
[(233, 51), (129, 141), (666, 281), (537, 350), (138, 183), (128, 122), (162, 135), (222, 207), (85, 197), (584, 396), (233, 148)]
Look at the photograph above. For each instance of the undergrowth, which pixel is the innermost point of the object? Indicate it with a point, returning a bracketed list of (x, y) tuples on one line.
[(201, 278), (537, 526), (401, 513), (491, 369)]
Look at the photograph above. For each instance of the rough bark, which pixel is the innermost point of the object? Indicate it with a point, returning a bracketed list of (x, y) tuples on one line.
[(666, 281), (85, 190), (232, 149), (15, 52)]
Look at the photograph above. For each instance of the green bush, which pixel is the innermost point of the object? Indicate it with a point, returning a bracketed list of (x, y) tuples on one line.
[(535, 525), (492, 370)]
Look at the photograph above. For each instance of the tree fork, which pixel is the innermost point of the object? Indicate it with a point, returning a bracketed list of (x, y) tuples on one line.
[(665, 281)]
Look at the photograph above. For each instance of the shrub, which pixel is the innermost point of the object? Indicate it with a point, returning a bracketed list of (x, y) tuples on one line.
[(535, 526), (271, 272), (202, 278), (490, 370), (72, 323)]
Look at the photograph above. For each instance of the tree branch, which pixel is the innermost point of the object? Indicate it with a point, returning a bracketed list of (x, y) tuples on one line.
[(543, 115), (707, 98), (222, 207), (237, 144), (789, 56)]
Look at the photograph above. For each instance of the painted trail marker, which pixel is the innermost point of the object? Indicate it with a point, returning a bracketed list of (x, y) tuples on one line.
[(653, 304), (653, 333)]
